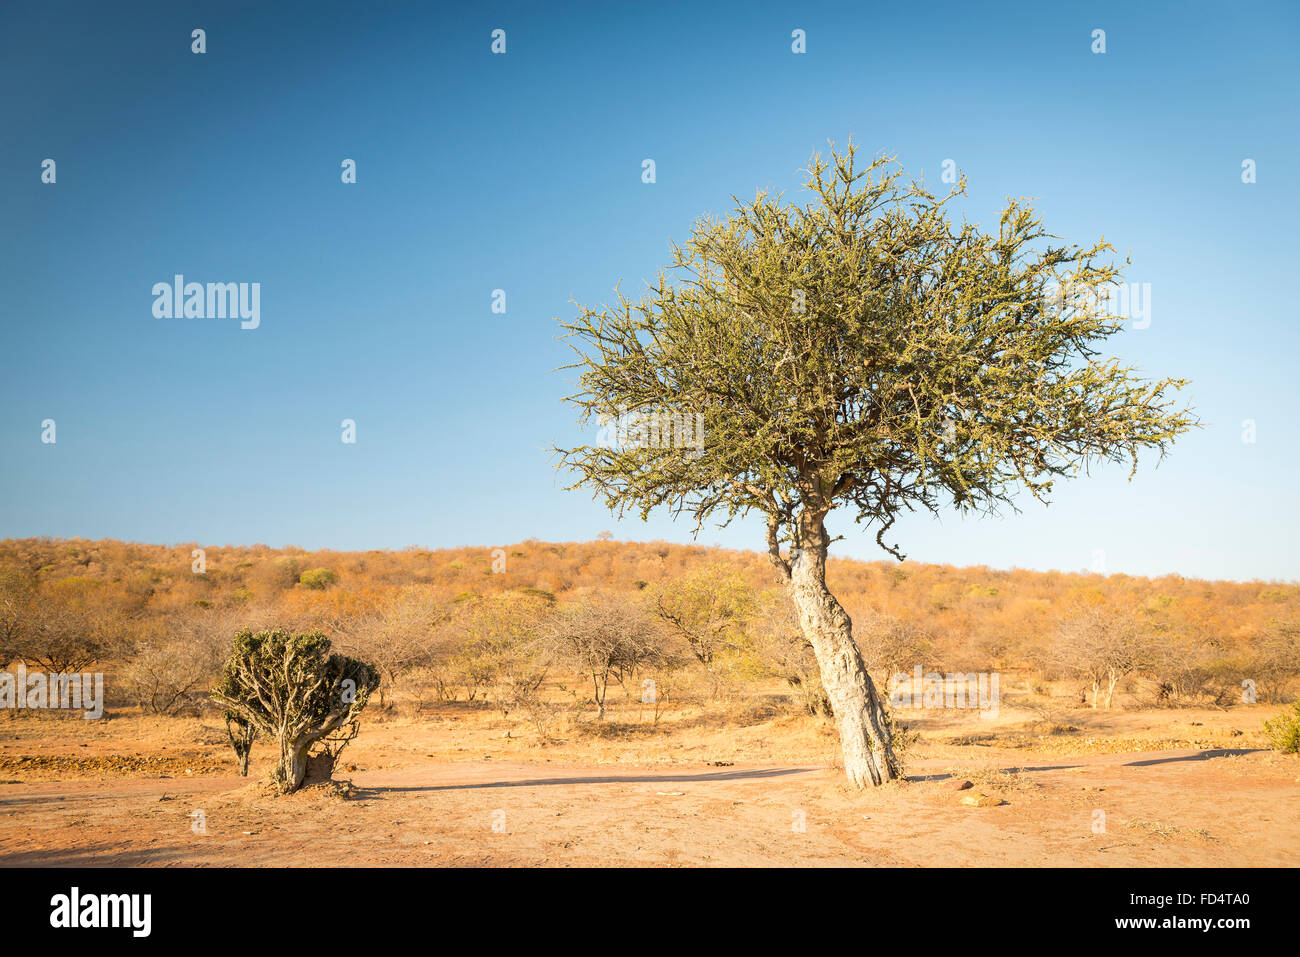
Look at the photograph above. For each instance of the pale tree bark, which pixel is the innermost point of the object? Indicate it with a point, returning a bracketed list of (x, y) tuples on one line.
[(865, 737), (1111, 681), (293, 764)]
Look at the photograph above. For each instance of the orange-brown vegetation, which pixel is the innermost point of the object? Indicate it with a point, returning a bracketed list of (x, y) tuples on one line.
[(468, 623), (491, 711)]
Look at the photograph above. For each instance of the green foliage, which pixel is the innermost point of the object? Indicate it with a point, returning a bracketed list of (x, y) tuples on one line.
[(708, 610), (292, 689), (317, 578), (547, 596), (863, 349), (1283, 731)]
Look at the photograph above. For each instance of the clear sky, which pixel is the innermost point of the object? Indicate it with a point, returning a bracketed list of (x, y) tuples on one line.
[(522, 172)]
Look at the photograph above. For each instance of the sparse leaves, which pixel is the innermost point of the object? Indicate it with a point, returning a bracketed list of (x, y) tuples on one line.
[(933, 364)]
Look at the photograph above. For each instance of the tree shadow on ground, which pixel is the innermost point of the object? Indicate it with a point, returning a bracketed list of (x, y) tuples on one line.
[(701, 777), (946, 776), (1197, 756)]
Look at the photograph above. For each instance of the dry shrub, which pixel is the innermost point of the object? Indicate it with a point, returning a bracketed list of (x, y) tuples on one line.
[(171, 669), (499, 656), (781, 650), (1103, 644), (604, 638), (401, 636)]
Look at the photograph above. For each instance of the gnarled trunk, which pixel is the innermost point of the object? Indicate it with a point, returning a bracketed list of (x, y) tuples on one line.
[(241, 734), (293, 765), (865, 737)]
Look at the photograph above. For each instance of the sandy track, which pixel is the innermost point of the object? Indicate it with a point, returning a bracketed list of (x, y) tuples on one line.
[(1215, 808)]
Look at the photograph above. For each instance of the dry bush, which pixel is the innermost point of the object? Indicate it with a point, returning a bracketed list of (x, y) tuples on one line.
[(399, 637), (71, 624), (1103, 644), (103, 598), (274, 575), (17, 594), (778, 644), (170, 668), (891, 646), (604, 638), (499, 654), (708, 611), (1275, 663), (1192, 671)]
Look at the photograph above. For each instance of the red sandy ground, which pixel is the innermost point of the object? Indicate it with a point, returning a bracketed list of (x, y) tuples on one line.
[(1184, 807)]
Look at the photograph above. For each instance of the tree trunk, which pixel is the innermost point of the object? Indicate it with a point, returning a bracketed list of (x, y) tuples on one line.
[(241, 735), (859, 713), (293, 766), (1110, 691)]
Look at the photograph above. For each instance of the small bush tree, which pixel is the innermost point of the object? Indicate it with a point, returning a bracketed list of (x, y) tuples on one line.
[(242, 734), (1276, 661), (781, 649), (1283, 732), (709, 611), (1103, 645), (892, 646), (17, 592), (178, 655), (290, 688), (317, 578), (70, 625), (499, 654), (602, 638), (399, 637)]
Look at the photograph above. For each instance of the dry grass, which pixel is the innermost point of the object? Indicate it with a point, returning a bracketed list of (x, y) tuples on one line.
[(1168, 831)]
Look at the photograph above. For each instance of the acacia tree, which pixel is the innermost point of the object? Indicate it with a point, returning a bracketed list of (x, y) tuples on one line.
[(1104, 645), (860, 350), (603, 637), (709, 610)]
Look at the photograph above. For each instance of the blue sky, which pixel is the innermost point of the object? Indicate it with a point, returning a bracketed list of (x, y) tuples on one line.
[(523, 172)]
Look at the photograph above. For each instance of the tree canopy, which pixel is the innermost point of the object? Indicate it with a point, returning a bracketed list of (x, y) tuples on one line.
[(865, 349)]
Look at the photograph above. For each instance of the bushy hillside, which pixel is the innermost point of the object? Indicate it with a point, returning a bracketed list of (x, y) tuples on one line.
[(70, 603)]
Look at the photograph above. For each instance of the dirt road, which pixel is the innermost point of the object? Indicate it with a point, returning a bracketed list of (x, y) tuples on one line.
[(1174, 808)]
